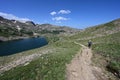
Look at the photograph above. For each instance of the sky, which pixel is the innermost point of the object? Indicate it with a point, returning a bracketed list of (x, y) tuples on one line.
[(74, 13)]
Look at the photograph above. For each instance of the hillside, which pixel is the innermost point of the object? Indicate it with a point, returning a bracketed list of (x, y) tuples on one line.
[(49, 62), (99, 30), (106, 43), (12, 29)]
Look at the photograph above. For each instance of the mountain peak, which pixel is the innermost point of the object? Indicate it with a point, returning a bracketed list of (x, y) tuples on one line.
[(1, 18), (30, 23)]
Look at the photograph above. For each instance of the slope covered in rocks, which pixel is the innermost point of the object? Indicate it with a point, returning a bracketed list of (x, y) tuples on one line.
[(13, 29)]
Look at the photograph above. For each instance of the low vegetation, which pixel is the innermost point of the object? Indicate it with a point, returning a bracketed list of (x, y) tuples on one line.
[(107, 45), (50, 66)]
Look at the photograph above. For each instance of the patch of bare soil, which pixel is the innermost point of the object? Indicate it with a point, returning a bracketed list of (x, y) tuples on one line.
[(80, 67)]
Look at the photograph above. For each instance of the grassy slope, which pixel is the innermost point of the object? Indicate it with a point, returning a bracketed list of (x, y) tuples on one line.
[(107, 45), (48, 67)]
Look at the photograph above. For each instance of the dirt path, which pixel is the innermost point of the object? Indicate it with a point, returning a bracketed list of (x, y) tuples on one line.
[(80, 67)]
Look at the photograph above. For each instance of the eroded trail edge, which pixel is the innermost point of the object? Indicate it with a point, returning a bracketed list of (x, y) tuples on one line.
[(80, 67)]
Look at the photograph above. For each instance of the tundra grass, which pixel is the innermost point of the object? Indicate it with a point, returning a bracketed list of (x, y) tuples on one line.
[(111, 52), (109, 47), (47, 67)]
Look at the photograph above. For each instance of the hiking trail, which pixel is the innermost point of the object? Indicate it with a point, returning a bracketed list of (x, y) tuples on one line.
[(80, 67)]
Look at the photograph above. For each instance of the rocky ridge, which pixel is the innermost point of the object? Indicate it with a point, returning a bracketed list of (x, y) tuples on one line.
[(13, 29)]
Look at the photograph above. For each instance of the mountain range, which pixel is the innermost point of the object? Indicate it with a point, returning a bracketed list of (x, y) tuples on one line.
[(13, 29)]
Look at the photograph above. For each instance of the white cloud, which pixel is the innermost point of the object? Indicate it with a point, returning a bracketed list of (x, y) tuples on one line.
[(64, 12), (60, 18), (53, 13), (60, 12), (11, 16)]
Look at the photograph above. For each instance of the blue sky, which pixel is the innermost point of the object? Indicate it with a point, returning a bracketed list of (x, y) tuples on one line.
[(75, 13)]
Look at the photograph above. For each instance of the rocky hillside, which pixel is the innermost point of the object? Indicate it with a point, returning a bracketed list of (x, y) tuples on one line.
[(12, 29)]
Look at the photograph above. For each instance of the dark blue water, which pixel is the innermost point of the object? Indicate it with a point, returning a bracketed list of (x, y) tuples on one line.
[(12, 47)]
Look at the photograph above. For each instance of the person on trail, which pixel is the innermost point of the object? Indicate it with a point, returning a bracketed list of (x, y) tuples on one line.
[(89, 43)]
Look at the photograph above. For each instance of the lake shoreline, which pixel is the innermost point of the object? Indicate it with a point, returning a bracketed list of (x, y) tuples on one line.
[(19, 45), (5, 39)]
